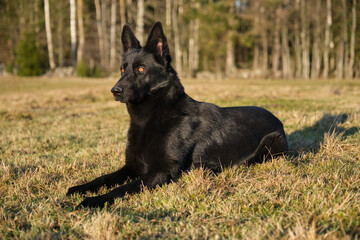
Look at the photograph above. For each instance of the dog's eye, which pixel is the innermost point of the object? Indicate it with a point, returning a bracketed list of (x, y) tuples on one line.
[(140, 69), (122, 70)]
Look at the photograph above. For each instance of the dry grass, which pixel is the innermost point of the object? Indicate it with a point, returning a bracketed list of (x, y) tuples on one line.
[(55, 133)]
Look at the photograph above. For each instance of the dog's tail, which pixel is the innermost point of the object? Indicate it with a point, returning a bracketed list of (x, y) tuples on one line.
[(271, 145)]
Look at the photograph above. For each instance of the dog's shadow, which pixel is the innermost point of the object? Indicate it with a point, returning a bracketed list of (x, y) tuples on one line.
[(309, 139)]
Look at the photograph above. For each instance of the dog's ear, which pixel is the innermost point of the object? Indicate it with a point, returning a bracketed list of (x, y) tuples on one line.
[(157, 44), (128, 39)]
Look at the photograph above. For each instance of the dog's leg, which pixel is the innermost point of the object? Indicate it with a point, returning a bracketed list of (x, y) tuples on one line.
[(108, 180), (150, 181)]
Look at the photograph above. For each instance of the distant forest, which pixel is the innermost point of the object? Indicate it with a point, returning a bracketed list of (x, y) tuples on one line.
[(305, 39)]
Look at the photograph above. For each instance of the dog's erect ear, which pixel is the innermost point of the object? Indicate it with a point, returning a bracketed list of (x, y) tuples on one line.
[(157, 43), (128, 39)]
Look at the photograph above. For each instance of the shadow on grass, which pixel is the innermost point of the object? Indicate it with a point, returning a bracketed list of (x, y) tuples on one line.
[(310, 138)]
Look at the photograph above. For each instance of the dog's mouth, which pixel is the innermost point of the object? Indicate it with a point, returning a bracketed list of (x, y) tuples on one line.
[(119, 98)]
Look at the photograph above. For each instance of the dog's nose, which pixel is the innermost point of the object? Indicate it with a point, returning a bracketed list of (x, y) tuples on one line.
[(116, 90)]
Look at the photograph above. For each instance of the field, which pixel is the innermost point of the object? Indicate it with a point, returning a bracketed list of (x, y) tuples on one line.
[(55, 133)]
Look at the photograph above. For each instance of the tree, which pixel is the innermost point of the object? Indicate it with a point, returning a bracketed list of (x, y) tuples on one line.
[(350, 70), (100, 31), (140, 21), (80, 50), (327, 39), (73, 31), (113, 35), (48, 34), (29, 58)]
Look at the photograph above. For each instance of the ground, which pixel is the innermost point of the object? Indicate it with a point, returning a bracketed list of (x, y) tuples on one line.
[(56, 133)]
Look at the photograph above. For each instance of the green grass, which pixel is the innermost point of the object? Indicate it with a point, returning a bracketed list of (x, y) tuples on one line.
[(56, 133)]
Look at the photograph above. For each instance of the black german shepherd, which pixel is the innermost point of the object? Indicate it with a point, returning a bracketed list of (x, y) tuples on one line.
[(170, 132)]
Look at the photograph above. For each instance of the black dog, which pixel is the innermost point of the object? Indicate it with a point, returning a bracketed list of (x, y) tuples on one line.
[(170, 132)]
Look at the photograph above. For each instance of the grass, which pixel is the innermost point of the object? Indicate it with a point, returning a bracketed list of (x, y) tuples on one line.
[(55, 133)]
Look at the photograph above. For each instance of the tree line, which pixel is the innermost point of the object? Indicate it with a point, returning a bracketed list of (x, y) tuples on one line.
[(210, 38)]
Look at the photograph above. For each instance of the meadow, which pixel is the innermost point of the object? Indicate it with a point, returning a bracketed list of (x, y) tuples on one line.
[(56, 133)]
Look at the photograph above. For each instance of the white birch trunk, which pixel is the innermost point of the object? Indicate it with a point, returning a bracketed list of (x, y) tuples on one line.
[(316, 60), (104, 20), (277, 46), (73, 31), (305, 40), (48, 34), (345, 38), (140, 21), (352, 42), (122, 12), (100, 30), (178, 65), (327, 39), (80, 50), (113, 35), (168, 16)]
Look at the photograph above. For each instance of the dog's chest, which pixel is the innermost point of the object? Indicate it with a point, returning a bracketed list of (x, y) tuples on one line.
[(146, 144)]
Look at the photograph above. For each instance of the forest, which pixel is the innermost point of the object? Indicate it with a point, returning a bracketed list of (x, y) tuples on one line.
[(304, 39)]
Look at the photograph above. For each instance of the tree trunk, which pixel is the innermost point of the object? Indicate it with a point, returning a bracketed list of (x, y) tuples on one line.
[(316, 55), (174, 15), (264, 42), (230, 57), (256, 59), (80, 50), (99, 30), (285, 51), (342, 48), (350, 70), (196, 44), (297, 45), (140, 21), (113, 35), (345, 38), (73, 31), (304, 40), (327, 39), (191, 49), (104, 20), (277, 46), (122, 12), (255, 64), (60, 34), (48, 34), (168, 17)]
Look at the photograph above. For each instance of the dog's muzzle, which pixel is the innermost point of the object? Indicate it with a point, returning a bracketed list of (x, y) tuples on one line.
[(116, 91)]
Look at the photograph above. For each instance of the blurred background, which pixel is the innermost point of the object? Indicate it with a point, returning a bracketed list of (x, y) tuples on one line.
[(306, 39)]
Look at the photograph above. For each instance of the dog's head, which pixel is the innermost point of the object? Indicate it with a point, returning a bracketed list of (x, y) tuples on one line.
[(144, 70)]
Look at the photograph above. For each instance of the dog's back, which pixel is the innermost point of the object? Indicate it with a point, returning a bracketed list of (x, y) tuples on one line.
[(218, 137)]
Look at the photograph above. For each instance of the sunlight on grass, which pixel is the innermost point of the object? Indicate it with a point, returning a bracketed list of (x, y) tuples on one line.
[(56, 133)]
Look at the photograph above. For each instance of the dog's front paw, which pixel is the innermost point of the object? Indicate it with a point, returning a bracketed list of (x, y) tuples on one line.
[(93, 202), (75, 189)]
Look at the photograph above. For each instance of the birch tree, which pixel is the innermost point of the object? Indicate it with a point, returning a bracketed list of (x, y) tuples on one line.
[(80, 50), (73, 31), (316, 57), (113, 35), (48, 34), (140, 21), (327, 39), (305, 39), (122, 12), (350, 70), (276, 46), (174, 15), (99, 30)]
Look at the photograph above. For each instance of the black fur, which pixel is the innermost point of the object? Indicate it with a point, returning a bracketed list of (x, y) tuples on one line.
[(170, 132)]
